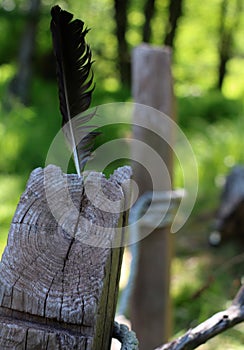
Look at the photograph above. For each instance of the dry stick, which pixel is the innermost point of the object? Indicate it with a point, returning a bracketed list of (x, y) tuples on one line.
[(213, 326)]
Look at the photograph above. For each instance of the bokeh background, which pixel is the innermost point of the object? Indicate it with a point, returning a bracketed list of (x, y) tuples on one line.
[(208, 69)]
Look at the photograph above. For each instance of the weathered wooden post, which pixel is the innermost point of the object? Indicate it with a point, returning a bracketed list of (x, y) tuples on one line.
[(60, 270), (152, 86), (229, 221)]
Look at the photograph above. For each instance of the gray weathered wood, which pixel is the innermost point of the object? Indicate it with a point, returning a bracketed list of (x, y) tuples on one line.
[(152, 86), (230, 219), (60, 270)]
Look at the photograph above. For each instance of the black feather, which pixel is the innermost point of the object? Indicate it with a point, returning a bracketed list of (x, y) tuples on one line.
[(75, 82)]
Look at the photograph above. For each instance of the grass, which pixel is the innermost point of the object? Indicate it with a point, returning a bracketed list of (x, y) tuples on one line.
[(204, 282), (217, 147)]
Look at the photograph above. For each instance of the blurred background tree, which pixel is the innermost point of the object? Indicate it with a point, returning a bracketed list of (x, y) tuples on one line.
[(123, 55), (174, 13), (230, 18), (206, 37), (207, 63), (20, 84), (207, 42)]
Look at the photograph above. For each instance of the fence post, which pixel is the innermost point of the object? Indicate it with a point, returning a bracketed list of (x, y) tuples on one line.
[(60, 270), (150, 306)]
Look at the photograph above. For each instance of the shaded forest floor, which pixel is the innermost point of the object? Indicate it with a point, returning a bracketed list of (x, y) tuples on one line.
[(205, 279)]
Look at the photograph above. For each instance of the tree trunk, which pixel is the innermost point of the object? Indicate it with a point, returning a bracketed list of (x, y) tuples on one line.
[(149, 10), (174, 13), (60, 270), (120, 7), (225, 44), (228, 26), (20, 85)]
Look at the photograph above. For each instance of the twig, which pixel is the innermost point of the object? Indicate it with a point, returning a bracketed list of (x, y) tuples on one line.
[(216, 324)]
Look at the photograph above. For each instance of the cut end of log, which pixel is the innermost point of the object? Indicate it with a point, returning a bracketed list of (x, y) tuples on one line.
[(59, 274)]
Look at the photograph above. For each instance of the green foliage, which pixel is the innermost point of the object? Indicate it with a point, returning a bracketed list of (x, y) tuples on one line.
[(9, 48), (196, 49), (11, 187), (27, 132), (217, 148), (205, 280), (210, 107)]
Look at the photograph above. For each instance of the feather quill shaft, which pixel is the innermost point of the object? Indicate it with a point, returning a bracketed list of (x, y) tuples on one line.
[(75, 82)]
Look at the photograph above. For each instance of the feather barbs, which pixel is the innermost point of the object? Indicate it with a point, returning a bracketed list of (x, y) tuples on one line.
[(75, 83)]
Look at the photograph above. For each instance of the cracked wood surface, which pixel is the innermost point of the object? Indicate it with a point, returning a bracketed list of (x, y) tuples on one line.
[(60, 269)]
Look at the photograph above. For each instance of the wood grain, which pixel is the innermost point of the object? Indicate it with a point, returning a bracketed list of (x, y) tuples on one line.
[(60, 270), (152, 86)]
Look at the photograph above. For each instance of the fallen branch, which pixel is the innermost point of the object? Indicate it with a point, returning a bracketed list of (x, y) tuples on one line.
[(213, 326)]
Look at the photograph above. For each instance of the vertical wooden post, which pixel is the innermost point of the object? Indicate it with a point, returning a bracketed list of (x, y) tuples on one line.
[(150, 305), (60, 270)]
